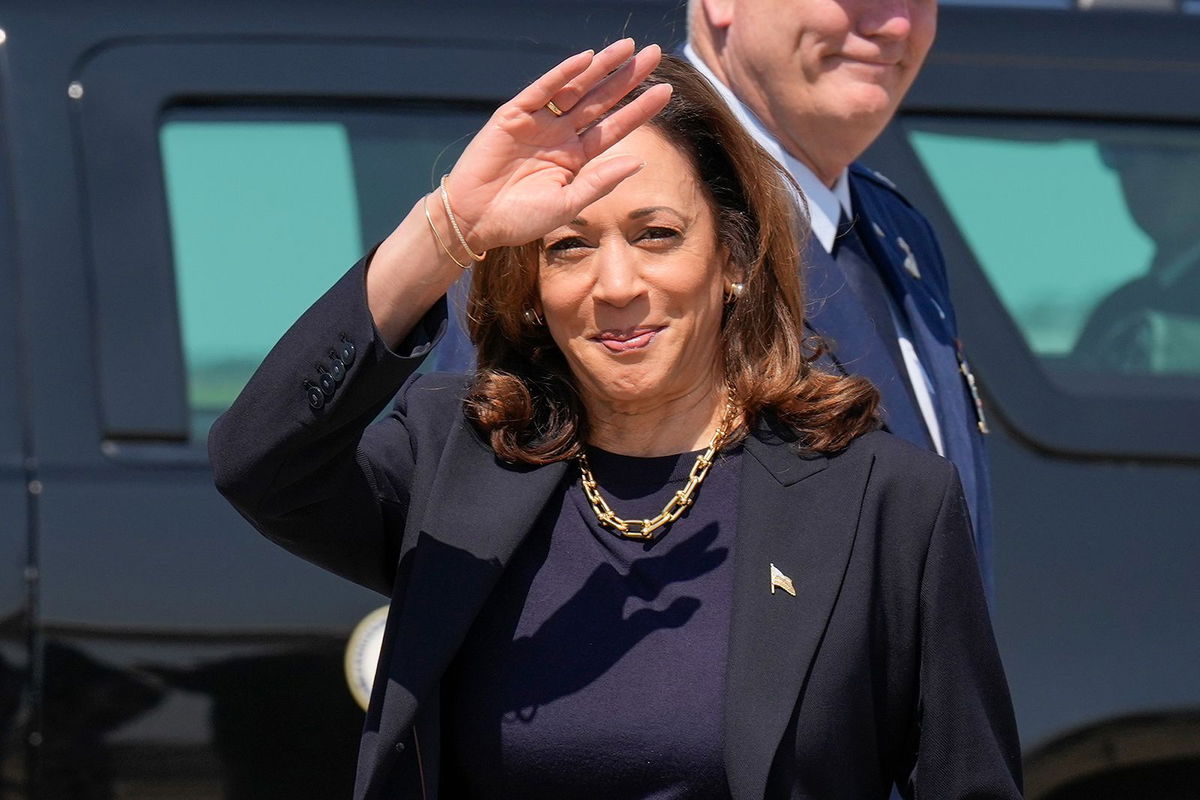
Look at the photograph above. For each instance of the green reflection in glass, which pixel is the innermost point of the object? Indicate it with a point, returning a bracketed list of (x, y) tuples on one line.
[(264, 215), (1047, 222)]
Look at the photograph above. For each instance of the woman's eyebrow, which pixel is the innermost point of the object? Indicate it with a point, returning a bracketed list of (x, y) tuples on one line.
[(645, 212), (580, 222)]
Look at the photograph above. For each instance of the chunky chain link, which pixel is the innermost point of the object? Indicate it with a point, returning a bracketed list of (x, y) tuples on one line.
[(644, 529)]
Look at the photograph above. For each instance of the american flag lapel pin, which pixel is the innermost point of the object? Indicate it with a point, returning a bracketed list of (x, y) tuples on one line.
[(781, 581)]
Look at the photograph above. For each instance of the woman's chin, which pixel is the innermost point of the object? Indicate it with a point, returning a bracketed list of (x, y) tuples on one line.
[(629, 392), (626, 390)]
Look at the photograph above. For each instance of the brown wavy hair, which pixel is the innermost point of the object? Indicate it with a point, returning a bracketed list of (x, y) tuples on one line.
[(524, 397)]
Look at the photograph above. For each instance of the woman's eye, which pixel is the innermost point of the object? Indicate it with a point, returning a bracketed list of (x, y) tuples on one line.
[(566, 243), (659, 233)]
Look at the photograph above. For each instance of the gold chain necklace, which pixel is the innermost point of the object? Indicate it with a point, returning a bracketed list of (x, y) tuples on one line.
[(643, 529)]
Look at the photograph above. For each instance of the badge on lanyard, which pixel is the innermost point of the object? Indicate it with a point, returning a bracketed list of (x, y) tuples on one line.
[(973, 388)]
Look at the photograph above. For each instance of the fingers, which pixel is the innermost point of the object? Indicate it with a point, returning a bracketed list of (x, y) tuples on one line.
[(588, 84), (598, 178), (620, 124), (537, 94), (609, 91), (602, 64)]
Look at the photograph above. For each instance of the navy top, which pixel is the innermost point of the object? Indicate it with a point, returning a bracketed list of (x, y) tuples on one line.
[(597, 667)]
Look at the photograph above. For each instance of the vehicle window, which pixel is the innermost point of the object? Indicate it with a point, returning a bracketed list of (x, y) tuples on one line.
[(1089, 234), (268, 208)]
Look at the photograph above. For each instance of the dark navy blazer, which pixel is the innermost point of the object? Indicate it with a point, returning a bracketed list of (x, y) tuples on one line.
[(881, 668), (902, 245)]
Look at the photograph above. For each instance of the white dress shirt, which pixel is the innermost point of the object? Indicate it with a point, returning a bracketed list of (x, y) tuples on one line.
[(825, 206)]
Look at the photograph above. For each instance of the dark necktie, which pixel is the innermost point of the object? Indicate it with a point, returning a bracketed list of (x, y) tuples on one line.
[(865, 281)]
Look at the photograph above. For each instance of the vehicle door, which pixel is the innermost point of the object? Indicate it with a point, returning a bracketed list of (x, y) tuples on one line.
[(18, 492), (1057, 155)]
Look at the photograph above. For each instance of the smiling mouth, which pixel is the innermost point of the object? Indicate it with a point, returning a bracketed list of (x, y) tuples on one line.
[(869, 63), (627, 340)]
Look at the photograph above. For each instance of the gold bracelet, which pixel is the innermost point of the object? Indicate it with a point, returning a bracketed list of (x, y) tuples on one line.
[(438, 236), (454, 224)]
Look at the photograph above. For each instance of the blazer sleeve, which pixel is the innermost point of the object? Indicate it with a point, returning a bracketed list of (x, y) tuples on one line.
[(966, 743), (291, 457)]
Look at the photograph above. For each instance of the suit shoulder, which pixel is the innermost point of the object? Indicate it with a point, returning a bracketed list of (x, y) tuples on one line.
[(433, 394), (905, 224), (877, 180), (441, 383), (902, 464)]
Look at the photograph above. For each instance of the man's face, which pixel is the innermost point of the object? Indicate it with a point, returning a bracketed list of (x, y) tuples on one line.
[(824, 75)]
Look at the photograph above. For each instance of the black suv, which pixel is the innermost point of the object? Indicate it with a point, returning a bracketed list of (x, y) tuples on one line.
[(178, 181)]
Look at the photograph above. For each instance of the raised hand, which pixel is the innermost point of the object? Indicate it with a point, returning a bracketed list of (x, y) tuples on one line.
[(530, 170), (526, 173)]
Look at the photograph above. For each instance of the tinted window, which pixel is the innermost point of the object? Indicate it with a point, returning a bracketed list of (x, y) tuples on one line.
[(267, 209), (1088, 234)]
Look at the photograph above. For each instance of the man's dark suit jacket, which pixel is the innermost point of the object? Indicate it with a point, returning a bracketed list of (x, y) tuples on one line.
[(881, 667), (903, 247)]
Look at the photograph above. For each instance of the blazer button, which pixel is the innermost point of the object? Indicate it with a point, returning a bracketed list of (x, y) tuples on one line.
[(328, 384), (316, 399), (399, 747), (345, 351), (337, 368)]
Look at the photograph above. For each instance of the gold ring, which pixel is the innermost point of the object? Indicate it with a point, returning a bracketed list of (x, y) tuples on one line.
[(553, 109)]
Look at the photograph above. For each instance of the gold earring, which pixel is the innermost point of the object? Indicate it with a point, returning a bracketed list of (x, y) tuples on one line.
[(734, 291), (532, 317)]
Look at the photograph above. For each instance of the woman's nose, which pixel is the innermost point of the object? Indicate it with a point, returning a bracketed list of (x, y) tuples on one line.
[(618, 278)]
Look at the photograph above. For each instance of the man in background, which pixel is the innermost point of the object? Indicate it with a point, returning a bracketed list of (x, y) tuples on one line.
[(816, 81), (1151, 324)]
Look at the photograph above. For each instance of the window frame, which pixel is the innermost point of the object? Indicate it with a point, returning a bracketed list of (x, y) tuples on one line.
[(14, 419), (378, 187), (17, 468), (128, 89), (1076, 85)]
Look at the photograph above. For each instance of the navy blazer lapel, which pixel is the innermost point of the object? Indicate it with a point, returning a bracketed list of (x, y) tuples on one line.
[(834, 310), (800, 515), (931, 324), (907, 267), (905, 245), (480, 510)]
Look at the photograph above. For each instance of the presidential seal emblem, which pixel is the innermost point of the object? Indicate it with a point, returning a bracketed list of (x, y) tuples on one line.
[(362, 655)]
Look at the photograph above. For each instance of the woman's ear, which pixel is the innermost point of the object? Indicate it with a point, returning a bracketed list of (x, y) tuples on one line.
[(532, 313), (733, 279), (731, 272)]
